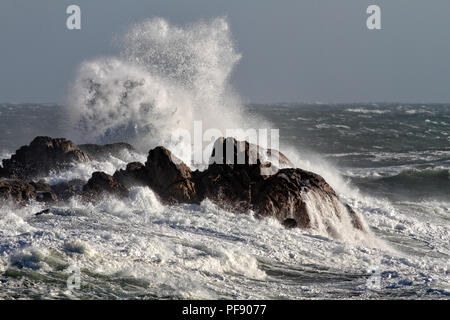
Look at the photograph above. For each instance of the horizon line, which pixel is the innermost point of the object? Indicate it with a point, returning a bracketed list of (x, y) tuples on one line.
[(274, 103)]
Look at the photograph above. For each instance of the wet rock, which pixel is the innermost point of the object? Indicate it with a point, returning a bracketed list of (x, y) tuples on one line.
[(21, 192), (234, 167), (233, 180), (231, 151), (290, 223), (3, 172), (240, 176), (133, 175), (66, 190), (101, 183), (47, 197), (45, 211), (283, 161), (42, 156), (169, 177), (165, 174), (356, 221), (280, 196), (16, 190), (41, 186), (44, 192), (237, 178)]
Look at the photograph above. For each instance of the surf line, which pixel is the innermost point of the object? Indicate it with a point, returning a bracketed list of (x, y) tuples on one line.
[(193, 310)]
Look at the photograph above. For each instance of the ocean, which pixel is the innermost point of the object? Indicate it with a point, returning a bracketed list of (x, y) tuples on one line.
[(388, 161), (391, 162)]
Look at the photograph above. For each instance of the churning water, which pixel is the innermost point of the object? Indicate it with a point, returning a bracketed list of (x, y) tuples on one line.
[(388, 161)]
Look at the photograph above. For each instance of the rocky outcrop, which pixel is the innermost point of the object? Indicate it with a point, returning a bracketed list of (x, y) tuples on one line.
[(165, 174), (44, 192), (233, 180), (16, 190), (42, 156), (170, 177), (3, 172), (245, 152), (102, 152), (101, 183), (21, 192), (240, 176), (66, 190), (133, 175), (235, 167), (280, 195), (241, 185)]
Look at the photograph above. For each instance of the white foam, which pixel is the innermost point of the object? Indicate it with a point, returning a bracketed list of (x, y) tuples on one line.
[(366, 111), (84, 170), (330, 218), (165, 78)]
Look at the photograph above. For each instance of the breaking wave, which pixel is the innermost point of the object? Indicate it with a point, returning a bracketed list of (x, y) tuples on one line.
[(165, 78)]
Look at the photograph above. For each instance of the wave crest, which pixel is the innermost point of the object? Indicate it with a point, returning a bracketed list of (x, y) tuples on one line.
[(165, 77)]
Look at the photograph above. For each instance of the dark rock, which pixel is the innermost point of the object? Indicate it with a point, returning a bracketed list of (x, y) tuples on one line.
[(280, 196), (290, 223), (234, 167), (41, 186), (66, 190), (243, 152), (234, 153), (21, 192), (3, 172), (169, 177), (356, 221), (44, 192), (42, 212), (42, 156), (283, 161), (236, 178), (164, 173), (102, 152), (46, 197), (228, 185), (101, 183), (16, 190), (134, 174), (241, 185)]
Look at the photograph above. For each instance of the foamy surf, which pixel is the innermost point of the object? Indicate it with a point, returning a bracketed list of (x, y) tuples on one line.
[(167, 76)]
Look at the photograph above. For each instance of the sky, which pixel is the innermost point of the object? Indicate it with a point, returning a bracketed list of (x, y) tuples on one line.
[(292, 51)]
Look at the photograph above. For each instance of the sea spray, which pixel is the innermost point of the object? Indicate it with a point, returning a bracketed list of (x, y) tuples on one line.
[(164, 78), (330, 218), (143, 249)]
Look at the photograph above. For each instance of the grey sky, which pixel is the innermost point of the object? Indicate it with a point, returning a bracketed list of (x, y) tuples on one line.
[(293, 51)]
